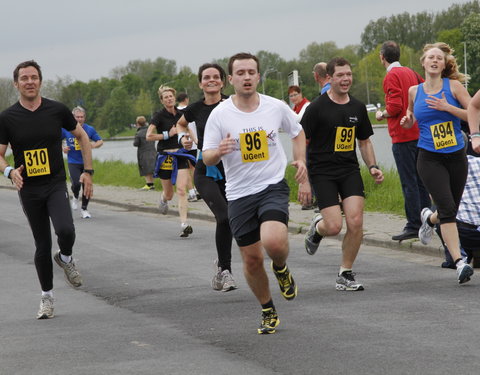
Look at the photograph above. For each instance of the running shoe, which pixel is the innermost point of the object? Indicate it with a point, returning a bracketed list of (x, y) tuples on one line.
[(74, 203), (346, 281), (152, 187), (192, 198), (288, 288), (269, 322), (146, 187), (163, 206), (46, 308), (223, 280), (186, 230), (312, 238), (71, 274), (464, 272), (86, 214), (425, 232)]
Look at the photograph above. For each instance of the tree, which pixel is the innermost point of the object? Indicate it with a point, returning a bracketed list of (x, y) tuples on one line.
[(471, 32), (117, 112), (8, 93), (143, 105)]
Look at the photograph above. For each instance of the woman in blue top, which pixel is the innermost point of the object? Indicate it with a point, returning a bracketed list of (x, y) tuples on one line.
[(438, 105)]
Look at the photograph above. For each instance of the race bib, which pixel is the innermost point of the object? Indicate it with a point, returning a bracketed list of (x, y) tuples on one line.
[(443, 135), (254, 146), (167, 165), (344, 139), (36, 162), (77, 145)]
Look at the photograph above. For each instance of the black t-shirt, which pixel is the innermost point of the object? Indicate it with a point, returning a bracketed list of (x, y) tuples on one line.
[(36, 139), (163, 121), (199, 112), (332, 130)]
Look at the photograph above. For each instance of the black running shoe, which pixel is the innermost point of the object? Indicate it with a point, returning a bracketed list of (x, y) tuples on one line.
[(288, 288), (269, 321)]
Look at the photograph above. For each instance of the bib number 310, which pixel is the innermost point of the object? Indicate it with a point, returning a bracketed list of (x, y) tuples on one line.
[(36, 162)]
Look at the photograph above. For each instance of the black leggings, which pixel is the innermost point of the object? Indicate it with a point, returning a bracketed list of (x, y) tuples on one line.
[(213, 193), (40, 204), (444, 176), (75, 171)]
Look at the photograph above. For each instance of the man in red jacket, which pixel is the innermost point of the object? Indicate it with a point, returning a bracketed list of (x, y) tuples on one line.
[(404, 141)]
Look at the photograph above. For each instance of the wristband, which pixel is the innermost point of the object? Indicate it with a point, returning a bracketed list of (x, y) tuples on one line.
[(373, 166), (165, 135), (475, 135), (7, 171)]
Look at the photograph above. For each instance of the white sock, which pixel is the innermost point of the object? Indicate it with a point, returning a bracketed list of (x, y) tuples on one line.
[(342, 270), (65, 258), (48, 293), (460, 263), (191, 192), (184, 225)]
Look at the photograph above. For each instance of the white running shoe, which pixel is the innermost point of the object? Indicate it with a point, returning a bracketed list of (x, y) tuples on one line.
[(72, 276), (186, 230), (86, 214), (163, 206), (425, 233), (46, 308), (74, 203)]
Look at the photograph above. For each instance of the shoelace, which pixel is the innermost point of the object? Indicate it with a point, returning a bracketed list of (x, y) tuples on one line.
[(349, 275), (284, 279), (268, 317)]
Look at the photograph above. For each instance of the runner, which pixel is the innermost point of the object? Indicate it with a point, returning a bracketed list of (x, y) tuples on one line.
[(172, 165), (210, 181), (32, 127), (242, 131), (75, 160), (333, 123)]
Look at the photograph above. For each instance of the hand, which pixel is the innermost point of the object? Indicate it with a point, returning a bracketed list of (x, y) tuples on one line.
[(305, 194), (16, 176), (440, 104), (66, 149), (377, 175), (227, 145), (302, 175), (86, 180), (379, 115), (407, 121), (186, 142), (172, 131), (476, 144)]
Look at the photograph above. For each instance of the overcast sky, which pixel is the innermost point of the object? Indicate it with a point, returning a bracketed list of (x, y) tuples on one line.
[(87, 39)]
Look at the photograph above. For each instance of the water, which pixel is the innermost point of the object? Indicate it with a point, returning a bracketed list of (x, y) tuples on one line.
[(125, 151)]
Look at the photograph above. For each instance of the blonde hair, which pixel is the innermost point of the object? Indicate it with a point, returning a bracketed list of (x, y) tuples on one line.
[(141, 120), (163, 89), (451, 67)]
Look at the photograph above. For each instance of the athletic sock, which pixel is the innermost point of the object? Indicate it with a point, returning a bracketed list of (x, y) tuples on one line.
[(48, 293), (279, 269), (459, 262), (268, 305), (65, 258), (342, 270)]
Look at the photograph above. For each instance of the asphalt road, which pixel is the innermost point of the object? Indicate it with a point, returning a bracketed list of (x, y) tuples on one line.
[(146, 307)]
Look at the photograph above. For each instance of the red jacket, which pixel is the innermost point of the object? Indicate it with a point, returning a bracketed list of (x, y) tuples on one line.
[(395, 86)]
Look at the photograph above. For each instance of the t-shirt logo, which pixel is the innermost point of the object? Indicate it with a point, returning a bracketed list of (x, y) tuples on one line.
[(443, 135), (344, 139), (254, 146), (36, 162)]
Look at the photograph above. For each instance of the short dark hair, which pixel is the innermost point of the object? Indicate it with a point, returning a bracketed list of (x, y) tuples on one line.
[(336, 61), (206, 66), (26, 64), (182, 97), (390, 51), (242, 56)]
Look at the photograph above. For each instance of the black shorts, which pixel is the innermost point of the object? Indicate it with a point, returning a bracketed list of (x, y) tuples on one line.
[(182, 163), (246, 214), (328, 188)]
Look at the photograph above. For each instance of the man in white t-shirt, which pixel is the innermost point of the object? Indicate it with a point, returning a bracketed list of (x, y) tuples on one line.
[(243, 131)]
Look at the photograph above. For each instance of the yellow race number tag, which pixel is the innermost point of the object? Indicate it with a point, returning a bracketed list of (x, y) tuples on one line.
[(167, 165), (443, 135), (36, 162), (254, 146), (344, 139), (77, 145)]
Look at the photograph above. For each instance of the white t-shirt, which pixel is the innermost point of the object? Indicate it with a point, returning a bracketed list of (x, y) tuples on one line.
[(258, 159), (192, 128)]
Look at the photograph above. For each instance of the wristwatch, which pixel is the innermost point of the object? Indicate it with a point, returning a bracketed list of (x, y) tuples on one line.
[(89, 171)]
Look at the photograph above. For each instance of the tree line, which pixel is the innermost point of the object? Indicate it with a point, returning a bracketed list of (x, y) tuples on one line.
[(112, 103)]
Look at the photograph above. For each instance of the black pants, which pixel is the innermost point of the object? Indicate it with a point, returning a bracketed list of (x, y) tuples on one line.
[(75, 171), (444, 176), (40, 204), (213, 193)]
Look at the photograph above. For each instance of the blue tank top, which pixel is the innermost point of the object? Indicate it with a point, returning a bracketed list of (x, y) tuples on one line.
[(439, 130)]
